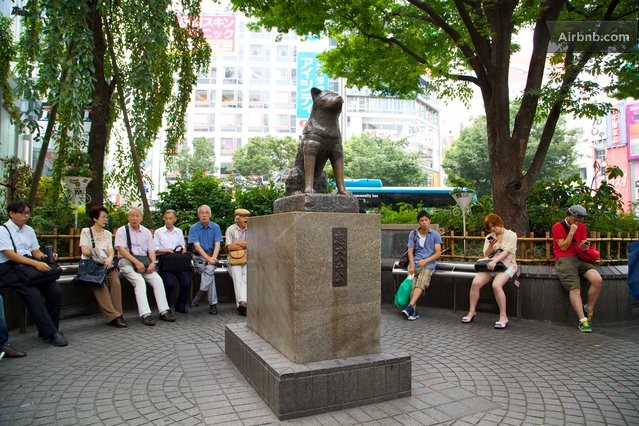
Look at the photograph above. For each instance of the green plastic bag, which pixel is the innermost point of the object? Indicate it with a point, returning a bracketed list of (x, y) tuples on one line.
[(402, 297)]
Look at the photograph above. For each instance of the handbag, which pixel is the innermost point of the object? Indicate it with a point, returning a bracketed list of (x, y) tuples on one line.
[(31, 276), (175, 262), (402, 297), (238, 257), (403, 261), (90, 273), (482, 264)]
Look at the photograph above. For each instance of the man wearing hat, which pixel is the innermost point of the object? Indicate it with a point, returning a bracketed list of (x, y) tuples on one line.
[(568, 236), (237, 257)]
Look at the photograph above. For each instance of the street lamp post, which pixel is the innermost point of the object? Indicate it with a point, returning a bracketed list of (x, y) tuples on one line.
[(463, 199)]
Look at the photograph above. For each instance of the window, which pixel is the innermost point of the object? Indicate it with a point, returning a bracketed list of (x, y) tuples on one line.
[(229, 145), (284, 123), (257, 50), (232, 75), (285, 99), (258, 99), (285, 76), (231, 98), (257, 123), (259, 75), (204, 98), (207, 76), (204, 122), (231, 122)]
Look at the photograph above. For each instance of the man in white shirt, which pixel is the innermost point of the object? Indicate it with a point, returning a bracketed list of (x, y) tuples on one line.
[(169, 239)]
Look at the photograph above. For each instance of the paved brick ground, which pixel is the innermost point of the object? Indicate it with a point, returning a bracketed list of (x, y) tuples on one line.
[(531, 373)]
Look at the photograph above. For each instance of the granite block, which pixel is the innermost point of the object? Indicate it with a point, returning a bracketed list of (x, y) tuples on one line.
[(294, 303)]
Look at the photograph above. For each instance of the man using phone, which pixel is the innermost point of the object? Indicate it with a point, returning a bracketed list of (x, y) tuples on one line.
[(568, 236)]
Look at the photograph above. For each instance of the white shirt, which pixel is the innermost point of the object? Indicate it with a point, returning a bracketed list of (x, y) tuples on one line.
[(165, 239), (25, 240)]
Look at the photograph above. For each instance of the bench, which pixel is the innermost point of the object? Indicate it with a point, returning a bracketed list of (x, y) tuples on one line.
[(77, 301), (452, 271)]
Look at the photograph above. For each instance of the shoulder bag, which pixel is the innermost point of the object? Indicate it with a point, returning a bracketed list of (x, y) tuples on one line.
[(29, 275), (146, 260), (237, 257), (90, 272), (403, 261)]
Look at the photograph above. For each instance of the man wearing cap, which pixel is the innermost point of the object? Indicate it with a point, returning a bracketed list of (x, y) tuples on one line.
[(568, 236), (236, 249), (206, 237)]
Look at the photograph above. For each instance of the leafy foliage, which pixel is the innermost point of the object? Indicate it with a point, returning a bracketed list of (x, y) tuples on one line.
[(7, 54), (373, 157), (259, 200), (264, 156), (185, 196), (198, 161), (467, 158), (16, 175)]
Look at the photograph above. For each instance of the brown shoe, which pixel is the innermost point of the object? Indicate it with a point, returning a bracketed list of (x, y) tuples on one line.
[(11, 352), (148, 320), (167, 316)]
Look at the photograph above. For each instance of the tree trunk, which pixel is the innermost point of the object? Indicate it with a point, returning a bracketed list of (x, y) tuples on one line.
[(37, 173), (101, 101)]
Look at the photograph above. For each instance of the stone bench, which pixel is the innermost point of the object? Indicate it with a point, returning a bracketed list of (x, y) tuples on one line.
[(539, 297), (79, 300)]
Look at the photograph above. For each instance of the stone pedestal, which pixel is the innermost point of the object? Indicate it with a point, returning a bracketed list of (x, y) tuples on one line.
[(311, 342), (313, 296)]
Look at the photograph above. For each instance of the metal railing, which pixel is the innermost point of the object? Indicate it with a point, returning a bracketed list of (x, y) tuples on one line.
[(530, 250), (538, 250)]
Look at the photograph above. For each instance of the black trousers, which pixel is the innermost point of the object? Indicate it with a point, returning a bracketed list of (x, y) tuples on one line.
[(43, 302)]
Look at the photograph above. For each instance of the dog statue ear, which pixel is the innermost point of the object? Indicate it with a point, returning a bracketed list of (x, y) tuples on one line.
[(314, 92)]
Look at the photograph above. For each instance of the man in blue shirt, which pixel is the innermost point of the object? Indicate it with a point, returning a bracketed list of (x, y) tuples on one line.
[(206, 237), (424, 248)]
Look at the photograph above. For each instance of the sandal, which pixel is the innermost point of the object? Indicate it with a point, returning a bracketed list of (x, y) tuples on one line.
[(468, 318), (501, 325)]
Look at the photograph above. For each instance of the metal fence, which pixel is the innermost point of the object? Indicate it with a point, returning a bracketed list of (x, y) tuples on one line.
[(530, 250), (538, 250)]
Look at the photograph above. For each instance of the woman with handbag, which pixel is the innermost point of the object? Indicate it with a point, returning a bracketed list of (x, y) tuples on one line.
[(96, 244), (500, 245)]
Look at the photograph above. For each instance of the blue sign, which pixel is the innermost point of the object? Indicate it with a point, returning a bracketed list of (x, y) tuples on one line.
[(309, 75)]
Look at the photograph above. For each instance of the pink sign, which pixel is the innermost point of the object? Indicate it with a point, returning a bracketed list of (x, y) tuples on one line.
[(219, 31), (632, 123)]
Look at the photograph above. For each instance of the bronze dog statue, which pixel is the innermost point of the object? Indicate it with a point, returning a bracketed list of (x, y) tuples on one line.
[(321, 141)]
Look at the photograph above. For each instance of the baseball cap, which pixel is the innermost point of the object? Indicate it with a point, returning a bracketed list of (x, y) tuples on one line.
[(577, 211)]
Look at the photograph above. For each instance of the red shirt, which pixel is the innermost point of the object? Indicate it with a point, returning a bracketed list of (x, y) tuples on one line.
[(559, 233)]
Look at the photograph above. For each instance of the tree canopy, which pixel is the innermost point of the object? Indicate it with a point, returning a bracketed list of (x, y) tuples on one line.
[(76, 55), (374, 157), (467, 158), (200, 160), (389, 45), (264, 156)]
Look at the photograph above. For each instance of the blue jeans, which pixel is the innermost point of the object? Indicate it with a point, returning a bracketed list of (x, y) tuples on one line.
[(4, 331)]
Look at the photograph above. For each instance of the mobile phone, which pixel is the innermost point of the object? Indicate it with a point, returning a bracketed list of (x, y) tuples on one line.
[(491, 238)]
